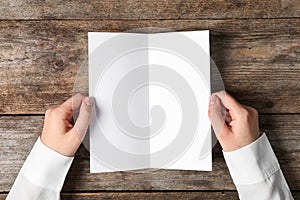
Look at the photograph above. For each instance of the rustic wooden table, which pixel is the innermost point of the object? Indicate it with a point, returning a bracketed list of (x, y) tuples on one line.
[(255, 44)]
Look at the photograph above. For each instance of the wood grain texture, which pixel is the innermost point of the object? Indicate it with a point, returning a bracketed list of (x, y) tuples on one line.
[(255, 44), (154, 195), (18, 134), (196, 195), (258, 60), (142, 9), (224, 195), (147, 195)]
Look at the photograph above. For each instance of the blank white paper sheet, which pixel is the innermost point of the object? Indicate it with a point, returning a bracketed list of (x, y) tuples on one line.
[(151, 96)]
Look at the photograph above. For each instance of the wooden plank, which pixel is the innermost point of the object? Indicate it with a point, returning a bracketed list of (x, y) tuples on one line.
[(160, 195), (141, 9), (18, 134), (199, 195), (154, 195), (147, 195), (148, 9), (258, 60)]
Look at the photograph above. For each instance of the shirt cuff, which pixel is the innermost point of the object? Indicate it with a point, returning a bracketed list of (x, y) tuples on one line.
[(46, 168), (252, 163)]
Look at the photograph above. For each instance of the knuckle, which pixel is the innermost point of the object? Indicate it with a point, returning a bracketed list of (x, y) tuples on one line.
[(250, 114), (254, 111), (49, 111), (56, 111), (244, 111)]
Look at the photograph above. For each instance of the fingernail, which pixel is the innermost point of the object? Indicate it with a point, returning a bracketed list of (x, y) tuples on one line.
[(212, 99), (89, 101)]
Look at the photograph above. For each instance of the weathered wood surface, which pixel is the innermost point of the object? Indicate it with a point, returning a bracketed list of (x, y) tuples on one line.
[(148, 9), (154, 195), (148, 195), (162, 195), (196, 195), (255, 44), (258, 60), (18, 134)]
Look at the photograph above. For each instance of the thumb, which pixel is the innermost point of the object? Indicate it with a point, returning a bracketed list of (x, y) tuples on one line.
[(83, 121), (215, 115)]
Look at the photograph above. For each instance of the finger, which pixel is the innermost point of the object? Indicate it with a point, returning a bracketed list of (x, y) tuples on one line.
[(84, 117), (73, 102), (215, 115), (229, 102)]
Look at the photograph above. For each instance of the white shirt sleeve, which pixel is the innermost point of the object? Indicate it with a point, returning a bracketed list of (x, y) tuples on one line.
[(256, 172), (42, 175)]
